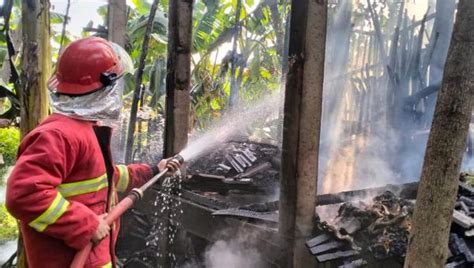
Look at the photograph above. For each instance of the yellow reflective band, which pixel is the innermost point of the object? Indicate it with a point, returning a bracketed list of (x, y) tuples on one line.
[(108, 265), (83, 187), (122, 184), (51, 215)]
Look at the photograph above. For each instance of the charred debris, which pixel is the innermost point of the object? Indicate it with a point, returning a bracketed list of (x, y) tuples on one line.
[(377, 230)]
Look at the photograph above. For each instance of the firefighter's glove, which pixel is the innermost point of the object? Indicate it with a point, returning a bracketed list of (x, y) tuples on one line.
[(102, 229), (171, 164)]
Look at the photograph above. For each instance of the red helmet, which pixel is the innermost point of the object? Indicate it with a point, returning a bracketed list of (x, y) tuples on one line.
[(85, 66)]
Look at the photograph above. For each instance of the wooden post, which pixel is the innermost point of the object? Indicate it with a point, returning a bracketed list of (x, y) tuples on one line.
[(36, 64), (117, 21), (301, 131), (178, 78), (178, 83)]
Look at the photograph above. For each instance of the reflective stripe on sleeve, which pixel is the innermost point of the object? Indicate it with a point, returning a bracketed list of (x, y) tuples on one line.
[(122, 184), (83, 187), (51, 214), (108, 265)]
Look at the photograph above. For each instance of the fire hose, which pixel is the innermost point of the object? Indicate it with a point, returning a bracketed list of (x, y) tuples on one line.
[(135, 194)]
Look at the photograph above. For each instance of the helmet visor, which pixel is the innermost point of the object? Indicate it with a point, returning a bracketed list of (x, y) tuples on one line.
[(124, 59)]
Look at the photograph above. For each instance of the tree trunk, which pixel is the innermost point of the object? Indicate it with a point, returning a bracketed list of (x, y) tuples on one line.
[(117, 21), (178, 78), (428, 244), (301, 131), (36, 64), (36, 68), (234, 86)]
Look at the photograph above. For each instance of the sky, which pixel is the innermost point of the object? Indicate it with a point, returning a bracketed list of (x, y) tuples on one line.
[(80, 12), (83, 11)]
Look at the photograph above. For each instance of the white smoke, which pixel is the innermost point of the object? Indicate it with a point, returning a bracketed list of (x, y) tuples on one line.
[(232, 254), (234, 249)]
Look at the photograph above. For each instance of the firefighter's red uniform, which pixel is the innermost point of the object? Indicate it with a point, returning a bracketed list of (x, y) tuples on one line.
[(58, 188)]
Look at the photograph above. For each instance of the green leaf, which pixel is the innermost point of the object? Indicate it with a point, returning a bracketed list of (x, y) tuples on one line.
[(265, 73), (142, 6), (215, 104), (56, 18)]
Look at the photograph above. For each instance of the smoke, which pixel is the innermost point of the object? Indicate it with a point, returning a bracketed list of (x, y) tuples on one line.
[(232, 254), (6, 250), (231, 124), (234, 249), (370, 137)]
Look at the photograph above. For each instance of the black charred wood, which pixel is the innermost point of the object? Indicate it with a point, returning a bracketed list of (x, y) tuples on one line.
[(468, 201), (221, 186), (455, 264), (204, 201), (241, 213), (262, 207), (407, 191), (463, 220), (459, 246), (317, 240), (336, 255), (203, 176), (256, 169), (466, 190), (316, 250)]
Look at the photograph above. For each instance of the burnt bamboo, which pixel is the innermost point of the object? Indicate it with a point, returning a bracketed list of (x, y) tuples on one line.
[(138, 82)]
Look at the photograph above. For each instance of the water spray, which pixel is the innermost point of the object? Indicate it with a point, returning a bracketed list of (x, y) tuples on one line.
[(135, 194)]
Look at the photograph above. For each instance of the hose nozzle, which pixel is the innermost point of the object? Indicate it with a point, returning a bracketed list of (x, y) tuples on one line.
[(179, 158)]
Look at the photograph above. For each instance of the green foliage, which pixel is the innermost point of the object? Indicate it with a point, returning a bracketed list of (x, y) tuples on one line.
[(259, 49), (9, 141), (8, 225)]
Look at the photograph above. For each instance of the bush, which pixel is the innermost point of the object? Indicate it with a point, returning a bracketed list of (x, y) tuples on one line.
[(8, 225), (9, 141)]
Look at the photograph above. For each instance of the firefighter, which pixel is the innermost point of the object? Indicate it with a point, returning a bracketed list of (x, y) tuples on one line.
[(64, 181)]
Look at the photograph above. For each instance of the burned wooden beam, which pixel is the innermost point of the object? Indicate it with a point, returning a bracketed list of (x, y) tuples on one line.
[(225, 167), (249, 155), (463, 220), (406, 191), (216, 183), (234, 164), (242, 213), (336, 255), (468, 201), (316, 250), (239, 160), (210, 176), (256, 169), (466, 190), (317, 240), (459, 246)]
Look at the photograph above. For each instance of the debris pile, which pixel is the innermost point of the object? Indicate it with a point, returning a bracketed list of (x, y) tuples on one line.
[(238, 166), (381, 227), (363, 232), (461, 242)]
